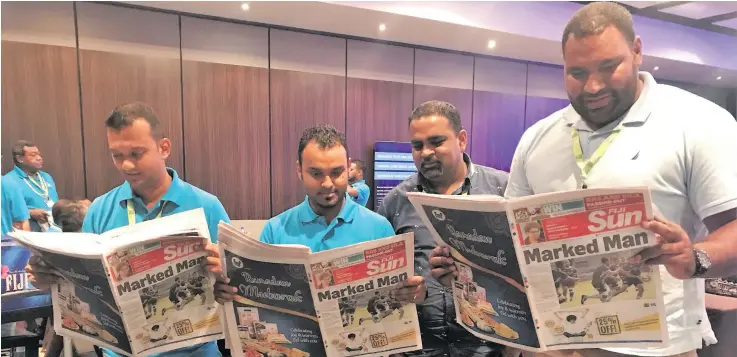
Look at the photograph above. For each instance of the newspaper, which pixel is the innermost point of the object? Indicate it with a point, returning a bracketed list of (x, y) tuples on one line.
[(137, 290), (14, 260), (339, 302), (552, 271)]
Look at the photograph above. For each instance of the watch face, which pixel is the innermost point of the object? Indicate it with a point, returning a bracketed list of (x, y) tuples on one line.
[(704, 261)]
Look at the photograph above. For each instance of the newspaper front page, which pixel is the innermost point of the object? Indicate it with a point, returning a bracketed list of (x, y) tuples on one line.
[(354, 294), (165, 293), (335, 303), (552, 271), (577, 252)]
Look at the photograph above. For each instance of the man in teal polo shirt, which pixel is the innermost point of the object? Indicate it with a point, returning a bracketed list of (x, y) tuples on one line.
[(37, 187), (358, 190), (326, 219), (15, 213), (151, 190)]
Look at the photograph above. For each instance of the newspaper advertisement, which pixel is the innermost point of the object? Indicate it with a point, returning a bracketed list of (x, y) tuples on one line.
[(334, 303), (354, 294), (14, 260), (489, 294), (165, 292), (552, 271)]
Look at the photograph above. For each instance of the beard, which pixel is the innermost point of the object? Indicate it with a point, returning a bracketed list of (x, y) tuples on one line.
[(320, 203), (434, 171), (619, 103)]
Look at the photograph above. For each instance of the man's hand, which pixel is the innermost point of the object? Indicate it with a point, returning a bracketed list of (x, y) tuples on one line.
[(412, 290), (39, 274), (674, 249), (222, 291), (39, 215), (443, 266)]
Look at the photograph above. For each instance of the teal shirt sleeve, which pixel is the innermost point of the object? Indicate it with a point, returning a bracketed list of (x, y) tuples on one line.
[(88, 225), (385, 229), (215, 214), (266, 235), (363, 194), (18, 209)]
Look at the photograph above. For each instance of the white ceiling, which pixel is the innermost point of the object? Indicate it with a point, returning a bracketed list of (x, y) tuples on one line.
[(731, 23), (363, 23), (702, 9), (641, 4)]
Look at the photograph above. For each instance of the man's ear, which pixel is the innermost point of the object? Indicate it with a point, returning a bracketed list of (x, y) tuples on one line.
[(463, 139), (299, 170), (164, 148)]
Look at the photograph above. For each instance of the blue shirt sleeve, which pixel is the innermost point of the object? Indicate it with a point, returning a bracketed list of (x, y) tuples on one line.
[(215, 214), (385, 229), (363, 194), (266, 235), (18, 209), (89, 225)]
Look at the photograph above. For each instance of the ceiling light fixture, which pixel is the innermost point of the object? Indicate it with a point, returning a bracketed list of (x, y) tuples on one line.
[(382, 27), (491, 44), (719, 78), (656, 68), (245, 6)]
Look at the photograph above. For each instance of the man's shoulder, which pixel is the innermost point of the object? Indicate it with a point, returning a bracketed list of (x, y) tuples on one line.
[(682, 104), (284, 217), (492, 174), (408, 185), (104, 202), (203, 198), (367, 216)]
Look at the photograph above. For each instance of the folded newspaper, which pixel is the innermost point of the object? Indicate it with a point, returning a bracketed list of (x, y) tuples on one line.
[(552, 271), (339, 302), (137, 290)]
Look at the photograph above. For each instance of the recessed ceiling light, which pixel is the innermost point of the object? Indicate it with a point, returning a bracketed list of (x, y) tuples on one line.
[(382, 27), (491, 44), (656, 68), (245, 6), (719, 78)]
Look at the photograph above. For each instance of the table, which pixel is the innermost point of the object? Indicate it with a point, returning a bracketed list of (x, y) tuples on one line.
[(26, 305)]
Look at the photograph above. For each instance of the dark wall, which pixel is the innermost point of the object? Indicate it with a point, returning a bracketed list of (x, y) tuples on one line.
[(235, 98)]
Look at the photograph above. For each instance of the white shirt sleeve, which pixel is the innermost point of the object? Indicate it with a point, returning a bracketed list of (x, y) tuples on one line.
[(518, 186), (712, 162)]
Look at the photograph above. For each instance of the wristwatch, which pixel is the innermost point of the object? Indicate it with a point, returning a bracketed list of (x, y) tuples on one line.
[(702, 262)]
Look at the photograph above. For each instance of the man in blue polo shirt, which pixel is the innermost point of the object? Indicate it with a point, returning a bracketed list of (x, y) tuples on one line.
[(326, 219), (15, 213), (37, 187), (358, 190), (151, 190)]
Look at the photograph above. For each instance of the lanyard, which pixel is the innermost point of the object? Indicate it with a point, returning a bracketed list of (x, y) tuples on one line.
[(132, 212), (41, 184), (587, 165)]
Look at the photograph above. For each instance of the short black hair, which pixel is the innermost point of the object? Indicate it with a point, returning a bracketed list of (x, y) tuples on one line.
[(19, 149), (325, 136), (594, 18), (124, 115), (571, 318), (69, 215), (359, 164), (437, 107)]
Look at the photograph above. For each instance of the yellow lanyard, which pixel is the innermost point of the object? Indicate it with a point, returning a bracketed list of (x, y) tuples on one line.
[(41, 184), (587, 165), (132, 212)]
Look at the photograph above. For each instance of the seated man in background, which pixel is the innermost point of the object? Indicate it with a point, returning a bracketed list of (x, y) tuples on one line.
[(69, 214), (358, 189), (326, 219)]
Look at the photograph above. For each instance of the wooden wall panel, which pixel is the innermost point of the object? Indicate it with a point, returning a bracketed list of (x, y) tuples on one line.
[(379, 99), (447, 77), (40, 102), (498, 124), (539, 108), (307, 88), (121, 63), (226, 114)]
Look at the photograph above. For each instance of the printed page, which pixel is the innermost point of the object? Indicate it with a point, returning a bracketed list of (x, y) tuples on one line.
[(354, 293), (489, 294), (576, 249), (273, 312), (165, 293), (83, 304), (14, 260)]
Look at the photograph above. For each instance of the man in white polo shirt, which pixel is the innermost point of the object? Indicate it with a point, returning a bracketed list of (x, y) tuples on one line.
[(624, 129)]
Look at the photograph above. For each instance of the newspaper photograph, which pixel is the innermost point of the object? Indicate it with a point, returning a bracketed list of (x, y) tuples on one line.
[(489, 294), (165, 293), (335, 303), (14, 260), (568, 256), (354, 293)]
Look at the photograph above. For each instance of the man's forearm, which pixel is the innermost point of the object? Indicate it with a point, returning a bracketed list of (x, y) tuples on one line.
[(353, 192), (721, 244)]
